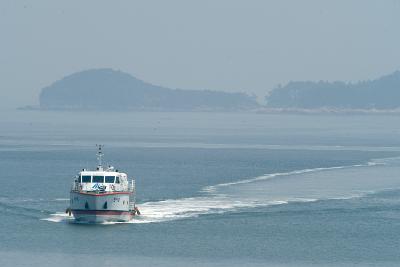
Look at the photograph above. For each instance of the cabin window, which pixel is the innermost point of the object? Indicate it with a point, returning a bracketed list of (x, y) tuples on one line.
[(110, 179), (86, 179), (98, 179), (117, 180)]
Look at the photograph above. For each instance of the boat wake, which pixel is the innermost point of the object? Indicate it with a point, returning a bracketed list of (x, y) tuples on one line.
[(307, 185), (213, 188)]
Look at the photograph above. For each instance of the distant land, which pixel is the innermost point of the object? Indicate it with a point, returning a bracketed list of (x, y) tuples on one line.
[(108, 89), (111, 90), (380, 95)]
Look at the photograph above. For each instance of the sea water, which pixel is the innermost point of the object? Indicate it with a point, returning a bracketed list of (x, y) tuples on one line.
[(214, 189)]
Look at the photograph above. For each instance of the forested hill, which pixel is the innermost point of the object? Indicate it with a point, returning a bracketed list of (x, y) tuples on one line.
[(382, 93), (107, 89)]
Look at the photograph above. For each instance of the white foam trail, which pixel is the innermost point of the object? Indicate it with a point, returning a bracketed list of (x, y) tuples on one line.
[(59, 217), (386, 161), (215, 202), (213, 188), (169, 210), (187, 207)]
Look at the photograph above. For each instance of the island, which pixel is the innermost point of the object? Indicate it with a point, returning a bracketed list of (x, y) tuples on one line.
[(380, 94), (108, 89)]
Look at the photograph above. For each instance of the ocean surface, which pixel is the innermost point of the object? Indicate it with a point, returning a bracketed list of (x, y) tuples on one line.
[(214, 189)]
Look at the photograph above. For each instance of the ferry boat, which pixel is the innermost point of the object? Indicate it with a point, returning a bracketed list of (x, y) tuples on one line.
[(102, 195)]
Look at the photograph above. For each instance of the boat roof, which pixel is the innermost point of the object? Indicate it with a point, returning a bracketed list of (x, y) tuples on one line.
[(102, 173)]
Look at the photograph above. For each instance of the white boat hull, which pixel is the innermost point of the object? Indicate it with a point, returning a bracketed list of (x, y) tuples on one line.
[(101, 217), (92, 207)]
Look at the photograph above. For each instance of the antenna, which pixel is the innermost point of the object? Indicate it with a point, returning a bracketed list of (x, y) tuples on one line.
[(99, 156)]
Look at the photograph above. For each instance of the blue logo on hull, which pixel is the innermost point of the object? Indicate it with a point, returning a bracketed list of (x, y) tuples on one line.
[(99, 187)]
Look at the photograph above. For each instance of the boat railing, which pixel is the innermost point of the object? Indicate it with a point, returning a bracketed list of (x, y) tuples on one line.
[(132, 196), (77, 187), (132, 185)]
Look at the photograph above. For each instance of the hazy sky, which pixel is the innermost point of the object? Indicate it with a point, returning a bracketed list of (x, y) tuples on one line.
[(219, 44)]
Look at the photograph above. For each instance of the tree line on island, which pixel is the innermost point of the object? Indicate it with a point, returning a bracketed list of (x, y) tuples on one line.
[(380, 94), (107, 89)]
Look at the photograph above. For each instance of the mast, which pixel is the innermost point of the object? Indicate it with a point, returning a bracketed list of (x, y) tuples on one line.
[(99, 157)]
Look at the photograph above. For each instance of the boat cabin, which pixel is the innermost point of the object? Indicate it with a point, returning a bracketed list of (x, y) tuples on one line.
[(101, 181), (105, 180)]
